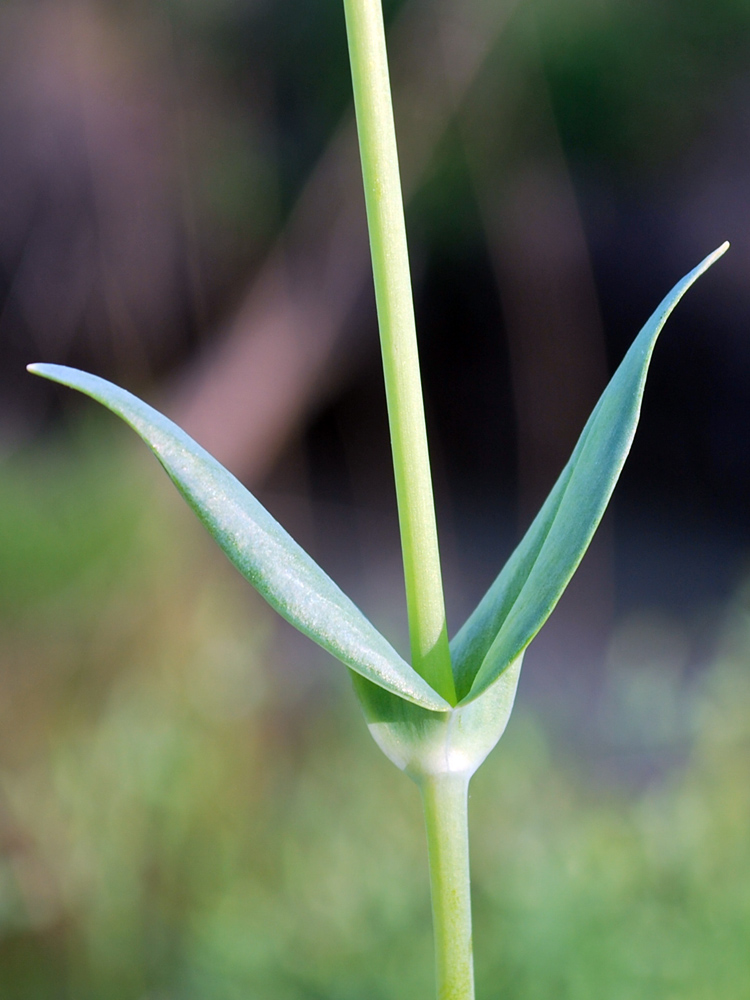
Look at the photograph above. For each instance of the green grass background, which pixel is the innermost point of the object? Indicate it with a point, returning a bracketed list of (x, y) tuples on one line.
[(184, 815)]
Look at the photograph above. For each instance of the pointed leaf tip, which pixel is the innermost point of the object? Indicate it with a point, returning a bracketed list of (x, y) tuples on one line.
[(524, 594), (266, 555)]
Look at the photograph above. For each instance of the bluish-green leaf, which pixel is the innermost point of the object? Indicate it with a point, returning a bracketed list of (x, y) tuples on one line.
[(259, 547), (522, 597)]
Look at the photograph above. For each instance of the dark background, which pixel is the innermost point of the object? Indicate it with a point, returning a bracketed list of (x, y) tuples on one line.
[(157, 156)]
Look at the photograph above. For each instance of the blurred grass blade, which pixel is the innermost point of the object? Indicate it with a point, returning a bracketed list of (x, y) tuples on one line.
[(524, 594), (259, 547)]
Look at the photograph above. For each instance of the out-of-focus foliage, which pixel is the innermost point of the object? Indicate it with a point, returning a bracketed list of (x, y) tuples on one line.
[(173, 825)]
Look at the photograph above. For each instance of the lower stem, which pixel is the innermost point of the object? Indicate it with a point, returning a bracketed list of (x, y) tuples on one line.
[(445, 799)]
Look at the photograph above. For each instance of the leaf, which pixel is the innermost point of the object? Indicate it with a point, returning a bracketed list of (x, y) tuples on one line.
[(289, 579), (524, 594)]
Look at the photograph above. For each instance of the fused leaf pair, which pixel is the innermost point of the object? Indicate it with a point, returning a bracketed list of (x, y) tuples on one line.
[(487, 651)]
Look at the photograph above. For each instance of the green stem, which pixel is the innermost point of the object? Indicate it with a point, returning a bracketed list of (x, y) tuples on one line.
[(445, 799), (393, 293)]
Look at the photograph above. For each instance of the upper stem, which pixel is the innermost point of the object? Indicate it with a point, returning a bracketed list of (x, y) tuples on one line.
[(393, 294)]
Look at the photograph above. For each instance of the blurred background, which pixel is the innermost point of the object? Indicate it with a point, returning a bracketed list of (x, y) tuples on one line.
[(190, 805)]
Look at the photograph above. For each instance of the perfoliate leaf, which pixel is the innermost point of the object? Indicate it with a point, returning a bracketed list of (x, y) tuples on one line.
[(259, 547), (425, 744), (522, 597)]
